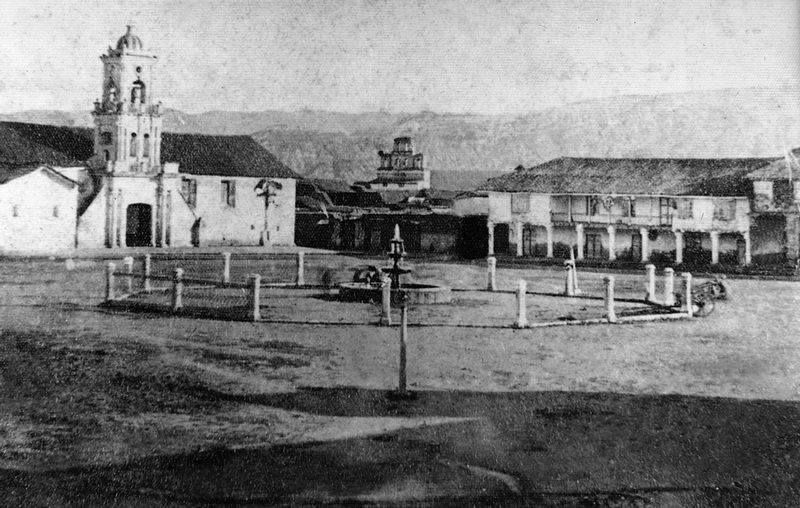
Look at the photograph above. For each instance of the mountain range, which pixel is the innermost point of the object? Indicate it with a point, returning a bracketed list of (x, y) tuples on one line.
[(747, 122)]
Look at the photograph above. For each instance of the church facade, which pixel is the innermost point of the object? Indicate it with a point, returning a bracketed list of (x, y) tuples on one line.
[(141, 187)]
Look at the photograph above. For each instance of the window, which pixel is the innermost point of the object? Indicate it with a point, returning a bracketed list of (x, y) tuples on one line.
[(594, 205), (55, 211), (685, 209), (631, 207), (520, 203), (146, 146), (724, 210), (229, 193), (189, 191), (107, 155), (15, 211), (106, 138), (133, 145)]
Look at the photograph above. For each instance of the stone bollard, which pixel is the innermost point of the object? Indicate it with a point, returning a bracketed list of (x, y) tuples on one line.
[(127, 262), (491, 269), (146, 270), (226, 267), (401, 384), (110, 267), (301, 277), (255, 296), (386, 302), (522, 311), (611, 314), (177, 289), (651, 282), (669, 286), (569, 283), (687, 294)]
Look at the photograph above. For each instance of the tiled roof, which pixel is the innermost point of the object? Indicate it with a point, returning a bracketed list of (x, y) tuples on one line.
[(25, 144), (778, 169), (222, 156), (668, 177)]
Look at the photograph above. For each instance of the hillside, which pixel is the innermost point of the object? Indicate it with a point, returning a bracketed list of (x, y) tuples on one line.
[(719, 123)]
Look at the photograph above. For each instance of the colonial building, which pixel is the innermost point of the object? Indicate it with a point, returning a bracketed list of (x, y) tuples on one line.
[(670, 210), (143, 187), (28, 224), (400, 169)]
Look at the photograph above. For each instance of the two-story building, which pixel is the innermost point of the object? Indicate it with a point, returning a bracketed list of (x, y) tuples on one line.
[(670, 210)]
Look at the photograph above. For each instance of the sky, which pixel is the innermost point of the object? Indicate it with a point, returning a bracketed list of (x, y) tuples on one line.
[(468, 56)]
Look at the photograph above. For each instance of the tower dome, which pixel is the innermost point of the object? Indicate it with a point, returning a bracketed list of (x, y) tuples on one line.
[(129, 42)]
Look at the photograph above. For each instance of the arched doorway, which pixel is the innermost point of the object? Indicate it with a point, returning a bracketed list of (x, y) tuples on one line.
[(139, 229)]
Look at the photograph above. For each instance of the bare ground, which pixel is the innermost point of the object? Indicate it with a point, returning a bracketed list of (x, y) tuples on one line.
[(103, 407)]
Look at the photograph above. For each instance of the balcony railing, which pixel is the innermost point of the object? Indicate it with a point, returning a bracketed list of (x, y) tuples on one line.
[(606, 219)]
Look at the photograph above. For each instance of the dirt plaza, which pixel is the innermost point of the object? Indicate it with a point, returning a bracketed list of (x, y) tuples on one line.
[(122, 407)]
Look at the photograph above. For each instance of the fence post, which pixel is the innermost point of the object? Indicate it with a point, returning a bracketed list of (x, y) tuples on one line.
[(522, 314), (301, 277), (669, 286), (611, 315), (226, 267), (128, 264), (687, 294), (146, 268), (110, 281), (491, 267), (569, 283), (386, 302), (401, 385), (177, 289), (651, 282), (255, 296)]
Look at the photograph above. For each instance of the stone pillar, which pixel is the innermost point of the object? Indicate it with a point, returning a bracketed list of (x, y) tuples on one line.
[(146, 269), (177, 289), (645, 244), (651, 282), (748, 254), (386, 302), (678, 247), (123, 221), (226, 267), (255, 296), (491, 269), (579, 242), (611, 314), (127, 262), (522, 318), (687, 294), (549, 241), (401, 381), (301, 277), (110, 267), (490, 229), (518, 232), (612, 243), (569, 282), (715, 247), (669, 286)]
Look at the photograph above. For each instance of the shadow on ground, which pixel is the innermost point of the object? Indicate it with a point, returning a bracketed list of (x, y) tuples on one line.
[(555, 448)]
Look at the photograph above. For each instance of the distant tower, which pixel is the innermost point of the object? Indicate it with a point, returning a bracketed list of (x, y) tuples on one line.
[(127, 119), (402, 168)]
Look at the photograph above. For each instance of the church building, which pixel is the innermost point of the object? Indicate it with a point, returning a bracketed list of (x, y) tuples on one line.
[(140, 186), (401, 169)]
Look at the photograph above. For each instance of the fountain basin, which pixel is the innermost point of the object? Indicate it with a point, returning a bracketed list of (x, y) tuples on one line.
[(416, 294)]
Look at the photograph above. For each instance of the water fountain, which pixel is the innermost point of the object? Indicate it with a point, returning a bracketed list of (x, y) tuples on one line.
[(414, 293)]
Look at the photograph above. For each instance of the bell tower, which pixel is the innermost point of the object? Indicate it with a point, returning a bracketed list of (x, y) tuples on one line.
[(127, 119)]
